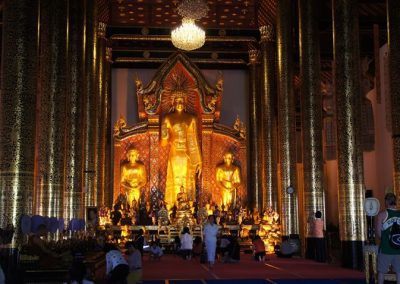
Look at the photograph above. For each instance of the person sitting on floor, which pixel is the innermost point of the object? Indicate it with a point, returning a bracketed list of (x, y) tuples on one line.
[(197, 247), (286, 249), (232, 255), (259, 249), (224, 245), (177, 245), (134, 262), (186, 244), (155, 251)]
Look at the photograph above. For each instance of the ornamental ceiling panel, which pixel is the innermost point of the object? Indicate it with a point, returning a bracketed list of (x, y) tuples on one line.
[(163, 13)]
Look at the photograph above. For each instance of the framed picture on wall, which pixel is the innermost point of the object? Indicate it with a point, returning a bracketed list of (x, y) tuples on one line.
[(92, 217)]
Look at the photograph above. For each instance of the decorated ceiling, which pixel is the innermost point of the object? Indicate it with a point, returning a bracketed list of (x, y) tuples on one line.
[(163, 13)]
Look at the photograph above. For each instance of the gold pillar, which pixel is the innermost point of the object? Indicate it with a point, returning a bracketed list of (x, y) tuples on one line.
[(73, 195), (348, 105), (255, 135), (108, 198), (17, 116), (101, 123), (90, 106), (310, 76), (393, 21), (268, 100), (286, 119), (51, 117)]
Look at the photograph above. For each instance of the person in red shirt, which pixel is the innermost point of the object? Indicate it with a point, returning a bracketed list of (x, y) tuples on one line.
[(259, 249), (318, 234)]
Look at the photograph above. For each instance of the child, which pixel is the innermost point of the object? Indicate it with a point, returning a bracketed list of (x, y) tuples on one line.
[(135, 263), (259, 249), (155, 251)]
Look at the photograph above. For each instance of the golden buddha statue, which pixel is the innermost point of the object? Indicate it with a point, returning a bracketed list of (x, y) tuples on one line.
[(133, 176), (228, 179), (179, 130)]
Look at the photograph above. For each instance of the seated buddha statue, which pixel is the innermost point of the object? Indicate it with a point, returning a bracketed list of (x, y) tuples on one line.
[(179, 131), (133, 176), (228, 179), (182, 200)]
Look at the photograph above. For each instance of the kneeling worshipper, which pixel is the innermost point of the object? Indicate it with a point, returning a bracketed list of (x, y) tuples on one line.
[(155, 251)]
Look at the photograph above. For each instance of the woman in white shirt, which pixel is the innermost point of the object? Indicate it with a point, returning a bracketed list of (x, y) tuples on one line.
[(210, 238), (117, 268), (186, 243)]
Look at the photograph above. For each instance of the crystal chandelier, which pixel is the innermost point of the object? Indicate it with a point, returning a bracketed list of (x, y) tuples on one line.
[(189, 36)]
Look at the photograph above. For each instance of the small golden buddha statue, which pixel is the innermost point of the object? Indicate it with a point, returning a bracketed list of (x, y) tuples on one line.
[(179, 130), (133, 176), (182, 200), (228, 179)]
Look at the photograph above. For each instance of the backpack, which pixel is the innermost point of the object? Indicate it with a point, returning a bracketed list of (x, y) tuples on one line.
[(394, 236)]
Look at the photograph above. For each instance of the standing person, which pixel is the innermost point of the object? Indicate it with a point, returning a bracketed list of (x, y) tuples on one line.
[(186, 243), (210, 239), (117, 268), (139, 241), (318, 234), (310, 240), (387, 254), (135, 263)]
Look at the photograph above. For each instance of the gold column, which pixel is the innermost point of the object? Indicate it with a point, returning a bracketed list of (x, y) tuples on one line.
[(255, 135), (268, 100), (348, 104), (90, 106), (310, 76), (73, 196), (286, 119), (101, 123), (154, 163), (108, 144), (393, 21), (51, 118), (17, 116)]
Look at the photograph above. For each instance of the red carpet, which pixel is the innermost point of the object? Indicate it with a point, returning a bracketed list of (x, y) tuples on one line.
[(174, 267)]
